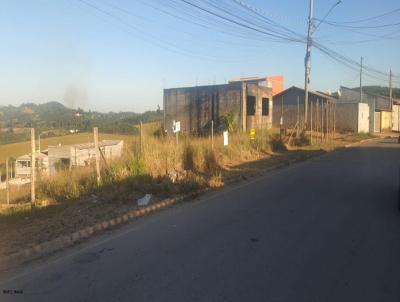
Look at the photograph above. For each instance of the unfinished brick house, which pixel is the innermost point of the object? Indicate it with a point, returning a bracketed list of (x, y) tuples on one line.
[(195, 107)]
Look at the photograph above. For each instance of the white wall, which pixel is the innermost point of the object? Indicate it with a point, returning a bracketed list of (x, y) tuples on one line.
[(363, 117), (396, 118)]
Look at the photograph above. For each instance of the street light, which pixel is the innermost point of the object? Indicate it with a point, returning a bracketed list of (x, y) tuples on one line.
[(326, 15)]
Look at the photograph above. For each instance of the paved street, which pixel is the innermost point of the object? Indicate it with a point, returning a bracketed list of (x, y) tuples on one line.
[(324, 230)]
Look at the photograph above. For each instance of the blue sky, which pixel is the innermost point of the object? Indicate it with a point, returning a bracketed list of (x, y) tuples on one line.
[(120, 56)]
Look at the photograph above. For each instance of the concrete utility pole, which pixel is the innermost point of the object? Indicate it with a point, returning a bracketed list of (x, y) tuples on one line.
[(307, 61), (390, 90), (361, 70)]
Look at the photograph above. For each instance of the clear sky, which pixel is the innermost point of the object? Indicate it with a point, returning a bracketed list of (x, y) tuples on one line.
[(118, 55)]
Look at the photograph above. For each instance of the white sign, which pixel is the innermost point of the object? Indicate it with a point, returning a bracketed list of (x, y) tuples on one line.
[(176, 126), (225, 138)]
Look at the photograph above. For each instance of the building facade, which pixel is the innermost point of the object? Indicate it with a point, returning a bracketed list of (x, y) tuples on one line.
[(289, 105), (380, 111), (250, 103)]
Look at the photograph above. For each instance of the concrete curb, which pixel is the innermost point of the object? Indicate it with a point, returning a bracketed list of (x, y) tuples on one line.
[(62, 242), (360, 142)]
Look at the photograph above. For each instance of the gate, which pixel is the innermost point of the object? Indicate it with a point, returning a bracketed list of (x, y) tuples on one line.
[(377, 122)]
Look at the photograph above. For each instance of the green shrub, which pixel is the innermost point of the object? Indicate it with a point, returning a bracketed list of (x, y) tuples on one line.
[(136, 166)]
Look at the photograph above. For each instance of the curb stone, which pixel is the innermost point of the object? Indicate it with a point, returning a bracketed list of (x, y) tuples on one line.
[(62, 242), (361, 141)]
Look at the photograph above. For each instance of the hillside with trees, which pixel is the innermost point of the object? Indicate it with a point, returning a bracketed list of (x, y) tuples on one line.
[(53, 119), (379, 90)]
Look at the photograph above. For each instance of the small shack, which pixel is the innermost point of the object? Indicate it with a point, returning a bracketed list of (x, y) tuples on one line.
[(23, 165), (82, 154)]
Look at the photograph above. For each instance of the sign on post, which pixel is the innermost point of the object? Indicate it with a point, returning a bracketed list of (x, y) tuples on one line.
[(176, 126), (252, 133), (225, 138)]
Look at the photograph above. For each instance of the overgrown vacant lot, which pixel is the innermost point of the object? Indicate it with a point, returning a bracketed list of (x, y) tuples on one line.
[(72, 200)]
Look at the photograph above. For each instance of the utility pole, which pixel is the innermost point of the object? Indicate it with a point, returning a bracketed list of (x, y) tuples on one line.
[(307, 61), (390, 91), (361, 70)]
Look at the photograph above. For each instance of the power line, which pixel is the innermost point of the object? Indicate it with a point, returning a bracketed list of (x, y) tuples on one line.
[(359, 27), (367, 19)]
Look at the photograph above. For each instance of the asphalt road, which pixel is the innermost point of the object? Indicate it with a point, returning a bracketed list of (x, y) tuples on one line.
[(324, 230)]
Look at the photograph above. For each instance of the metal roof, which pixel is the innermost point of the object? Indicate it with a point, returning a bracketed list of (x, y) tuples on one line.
[(103, 143)]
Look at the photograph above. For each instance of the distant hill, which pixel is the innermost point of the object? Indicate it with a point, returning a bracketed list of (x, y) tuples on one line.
[(379, 90), (54, 118)]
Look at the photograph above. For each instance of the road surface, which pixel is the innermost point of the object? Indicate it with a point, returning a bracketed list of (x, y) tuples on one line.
[(323, 230)]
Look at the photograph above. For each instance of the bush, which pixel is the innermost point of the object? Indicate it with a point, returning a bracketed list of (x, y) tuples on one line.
[(210, 162), (277, 144), (301, 140), (188, 158)]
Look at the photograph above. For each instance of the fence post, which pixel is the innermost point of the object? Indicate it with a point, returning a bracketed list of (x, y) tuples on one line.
[(334, 121), (7, 184), (212, 134), (311, 122), (33, 167), (141, 138), (322, 120), (298, 116), (96, 147)]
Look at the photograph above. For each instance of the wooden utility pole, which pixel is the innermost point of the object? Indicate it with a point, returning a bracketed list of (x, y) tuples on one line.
[(33, 167), (97, 154), (212, 134), (7, 184)]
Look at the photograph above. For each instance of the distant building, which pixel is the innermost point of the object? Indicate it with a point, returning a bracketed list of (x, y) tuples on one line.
[(289, 104), (380, 111), (82, 154), (23, 165), (66, 156), (249, 100)]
